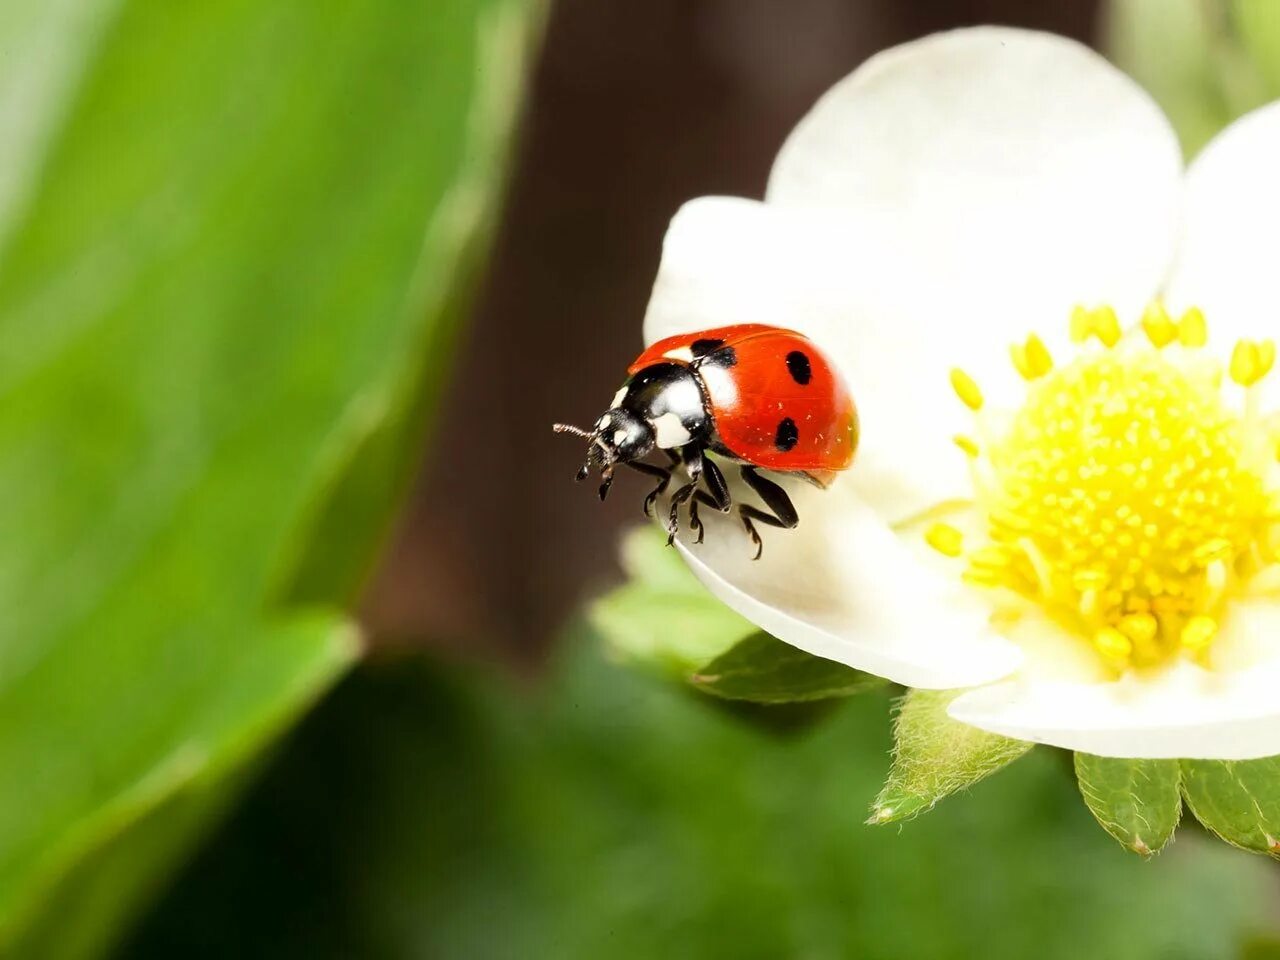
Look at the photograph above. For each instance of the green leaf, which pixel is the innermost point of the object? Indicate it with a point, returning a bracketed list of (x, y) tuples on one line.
[(663, 618), (1239, 800), (1257, 23), (763, 669), (230, 238), (934, 756), (613, 816), (1136, 801)]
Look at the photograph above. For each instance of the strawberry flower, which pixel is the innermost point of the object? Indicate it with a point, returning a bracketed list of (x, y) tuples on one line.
[(1066, 499)]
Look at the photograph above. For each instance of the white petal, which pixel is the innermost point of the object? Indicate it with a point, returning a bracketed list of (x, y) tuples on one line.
[(1028, 174), (842, 586), (978, 184), (1227, 263), (1183, 711)]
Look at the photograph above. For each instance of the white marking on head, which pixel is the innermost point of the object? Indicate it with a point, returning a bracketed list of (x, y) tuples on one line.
[(618, 437), (669, 431)]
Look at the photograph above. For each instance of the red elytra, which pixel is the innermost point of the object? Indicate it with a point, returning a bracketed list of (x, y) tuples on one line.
[(777, 403)]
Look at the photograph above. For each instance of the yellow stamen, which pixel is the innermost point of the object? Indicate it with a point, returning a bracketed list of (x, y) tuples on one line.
[(967, 444), (1159, 328), (1101, 323), (1266, 357), (1128, 496), (968, 392), (1198, 633), (1106, 326), (1192, 330), (1113, 644), (1032, 359), (1245, 363), (946, 539)]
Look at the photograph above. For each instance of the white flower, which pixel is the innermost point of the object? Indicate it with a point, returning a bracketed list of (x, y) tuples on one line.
[(1103, 568)]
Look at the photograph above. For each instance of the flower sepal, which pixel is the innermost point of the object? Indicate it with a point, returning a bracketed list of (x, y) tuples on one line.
[(935, 756), (1136, 801)]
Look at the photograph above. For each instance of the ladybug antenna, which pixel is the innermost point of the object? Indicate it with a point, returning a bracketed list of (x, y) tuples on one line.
[(598, 455), (570, 428)]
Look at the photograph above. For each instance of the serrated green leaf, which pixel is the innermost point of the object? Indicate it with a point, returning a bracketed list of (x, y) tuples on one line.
[(934, 756), (1136, 801), (1239, 800), (216, 261), (763, 669), (663, 618)]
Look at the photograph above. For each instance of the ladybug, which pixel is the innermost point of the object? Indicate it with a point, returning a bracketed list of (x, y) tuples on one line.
[(756, 395)]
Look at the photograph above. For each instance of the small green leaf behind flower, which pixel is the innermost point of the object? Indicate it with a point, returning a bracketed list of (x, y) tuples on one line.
[(1136, 801), (763, 669), (1238, 800), (1206, 62), (934, 756), (664, 620)]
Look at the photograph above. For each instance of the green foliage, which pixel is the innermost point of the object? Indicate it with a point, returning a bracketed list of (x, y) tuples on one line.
[(934, 756), (1136, 801), (763, 669), (1206, 63), (231, 235), (662, 618), (421, 815), (1239, 800), (1258, 25)]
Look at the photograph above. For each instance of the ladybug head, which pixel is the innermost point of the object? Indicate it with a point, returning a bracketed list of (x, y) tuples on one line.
[(619, 436)]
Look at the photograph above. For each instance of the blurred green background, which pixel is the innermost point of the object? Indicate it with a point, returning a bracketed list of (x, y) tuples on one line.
[(293, 659)]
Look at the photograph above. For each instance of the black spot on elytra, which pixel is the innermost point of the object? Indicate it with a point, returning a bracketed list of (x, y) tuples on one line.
[(700, 348), (787, 436), (799, 368), (723, 357)]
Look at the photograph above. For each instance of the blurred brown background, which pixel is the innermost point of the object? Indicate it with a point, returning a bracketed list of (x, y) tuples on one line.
[(635, 108)]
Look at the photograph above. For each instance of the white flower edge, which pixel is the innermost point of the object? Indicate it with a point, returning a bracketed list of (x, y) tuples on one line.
[(870, 291)]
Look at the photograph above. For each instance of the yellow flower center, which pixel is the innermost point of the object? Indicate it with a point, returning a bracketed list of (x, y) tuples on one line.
[(1128, 496)]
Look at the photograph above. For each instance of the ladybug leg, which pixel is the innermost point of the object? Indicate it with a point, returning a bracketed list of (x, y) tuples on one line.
[(693, 459), (664, 477), (694, 521), (716, 496), (717, 490), (775, 498)]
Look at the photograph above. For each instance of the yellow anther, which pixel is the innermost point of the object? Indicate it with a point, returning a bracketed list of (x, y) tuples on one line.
[(1032, 358), (1192, 331), (1081, 324), (946, 539), (1141, 628), (968, 392), (1113, 645), (1159, 328), (1245, 363), (1101, 323), (1127, 494), (1198, 633), (1106, 326), (1215, 550), (1266, 357)]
